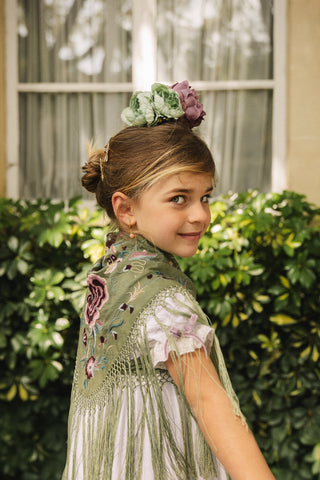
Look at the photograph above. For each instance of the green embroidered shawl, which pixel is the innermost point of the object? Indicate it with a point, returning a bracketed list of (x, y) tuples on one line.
[(114, 356)]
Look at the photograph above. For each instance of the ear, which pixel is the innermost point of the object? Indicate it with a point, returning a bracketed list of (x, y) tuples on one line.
[(122, 207)]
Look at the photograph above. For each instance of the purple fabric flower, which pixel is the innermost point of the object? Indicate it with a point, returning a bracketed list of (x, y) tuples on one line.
[(96, 299), (193, 109)]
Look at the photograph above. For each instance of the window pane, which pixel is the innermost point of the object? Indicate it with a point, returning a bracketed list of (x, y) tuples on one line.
[(90, 41), (238, 128), (214, 40), (55, 132), (74, 40)]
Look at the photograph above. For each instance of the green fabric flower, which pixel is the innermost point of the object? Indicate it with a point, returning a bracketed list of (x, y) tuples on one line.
[(151, 108), (140, 111), (166, 101)]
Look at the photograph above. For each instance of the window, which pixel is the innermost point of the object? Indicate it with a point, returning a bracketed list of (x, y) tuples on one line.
[(72, 65)]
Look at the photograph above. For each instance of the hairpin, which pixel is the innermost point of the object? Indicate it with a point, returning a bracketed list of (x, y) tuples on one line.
[(104, 159)]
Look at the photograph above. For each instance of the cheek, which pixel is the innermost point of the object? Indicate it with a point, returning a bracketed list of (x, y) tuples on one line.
[(208, 218)]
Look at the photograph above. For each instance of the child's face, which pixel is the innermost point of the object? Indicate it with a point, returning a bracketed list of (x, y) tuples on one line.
[(174, 213)]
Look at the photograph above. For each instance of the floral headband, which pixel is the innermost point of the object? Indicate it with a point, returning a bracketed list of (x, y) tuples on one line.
[(161, 104), (164, 103)]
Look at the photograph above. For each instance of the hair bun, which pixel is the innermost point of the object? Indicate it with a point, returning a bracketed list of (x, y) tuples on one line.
[(92, 171)]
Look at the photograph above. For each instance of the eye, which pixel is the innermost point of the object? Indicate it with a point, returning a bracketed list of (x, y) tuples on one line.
[(206, 198), (178, 199)]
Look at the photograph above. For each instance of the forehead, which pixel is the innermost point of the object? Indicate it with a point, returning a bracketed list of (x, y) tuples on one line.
[(183, 181)]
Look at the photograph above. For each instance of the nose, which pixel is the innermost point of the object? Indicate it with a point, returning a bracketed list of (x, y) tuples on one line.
[(199, 213)]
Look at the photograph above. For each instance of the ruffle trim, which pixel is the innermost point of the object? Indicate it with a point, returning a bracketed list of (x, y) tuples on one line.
[(175, 320)]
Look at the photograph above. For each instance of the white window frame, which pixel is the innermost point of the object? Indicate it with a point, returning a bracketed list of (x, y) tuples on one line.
[(143, 75)]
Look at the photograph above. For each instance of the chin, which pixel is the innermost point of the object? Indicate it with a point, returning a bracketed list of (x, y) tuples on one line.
[(186, 253)]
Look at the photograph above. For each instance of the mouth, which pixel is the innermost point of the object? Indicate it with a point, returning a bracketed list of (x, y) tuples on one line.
[(190, 236)]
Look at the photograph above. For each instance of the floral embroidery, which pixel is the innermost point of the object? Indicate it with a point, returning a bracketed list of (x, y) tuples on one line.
[(97, 298), (101, 332), (123, 307), (136, 291), (111, 259), (112, 265), (112, 326), (162, 275), (141, 255), (91, 365), (111, 238), (138, 266)]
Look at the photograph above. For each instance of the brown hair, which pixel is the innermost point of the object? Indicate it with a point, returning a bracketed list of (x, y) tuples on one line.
[(140, 156)]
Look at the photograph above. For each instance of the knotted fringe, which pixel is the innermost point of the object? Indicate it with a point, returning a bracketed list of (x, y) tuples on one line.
[(102, 447)]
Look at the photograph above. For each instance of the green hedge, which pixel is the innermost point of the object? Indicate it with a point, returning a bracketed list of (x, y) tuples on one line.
[(257, 275), (42, 278)]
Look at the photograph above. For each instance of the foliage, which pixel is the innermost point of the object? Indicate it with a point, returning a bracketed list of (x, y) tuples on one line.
[(256, 273), (42, 279)]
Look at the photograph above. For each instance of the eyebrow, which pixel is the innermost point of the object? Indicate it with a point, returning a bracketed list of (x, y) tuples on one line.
[(187, 190)]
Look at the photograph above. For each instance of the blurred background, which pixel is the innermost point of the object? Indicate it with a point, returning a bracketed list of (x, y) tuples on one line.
[(69, 68)]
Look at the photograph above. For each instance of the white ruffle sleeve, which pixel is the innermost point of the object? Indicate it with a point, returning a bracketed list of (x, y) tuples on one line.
[(174, 325)]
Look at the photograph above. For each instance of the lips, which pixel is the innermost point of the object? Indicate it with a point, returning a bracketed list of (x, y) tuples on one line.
[(191, 235)]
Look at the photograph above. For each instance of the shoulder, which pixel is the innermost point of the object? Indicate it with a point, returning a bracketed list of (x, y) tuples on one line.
[(175, 321)]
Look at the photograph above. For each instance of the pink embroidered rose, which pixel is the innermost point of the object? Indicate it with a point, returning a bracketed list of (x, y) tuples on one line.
[(97, 297), (90, 367), (193, 109)]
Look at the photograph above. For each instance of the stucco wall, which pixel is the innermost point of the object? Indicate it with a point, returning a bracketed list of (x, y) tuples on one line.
[(303, 98), (2, 103)]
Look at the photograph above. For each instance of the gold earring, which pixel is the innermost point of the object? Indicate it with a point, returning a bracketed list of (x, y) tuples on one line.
[(131, 235)]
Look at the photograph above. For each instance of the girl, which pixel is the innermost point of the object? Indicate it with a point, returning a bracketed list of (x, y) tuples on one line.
[(151, 396)]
